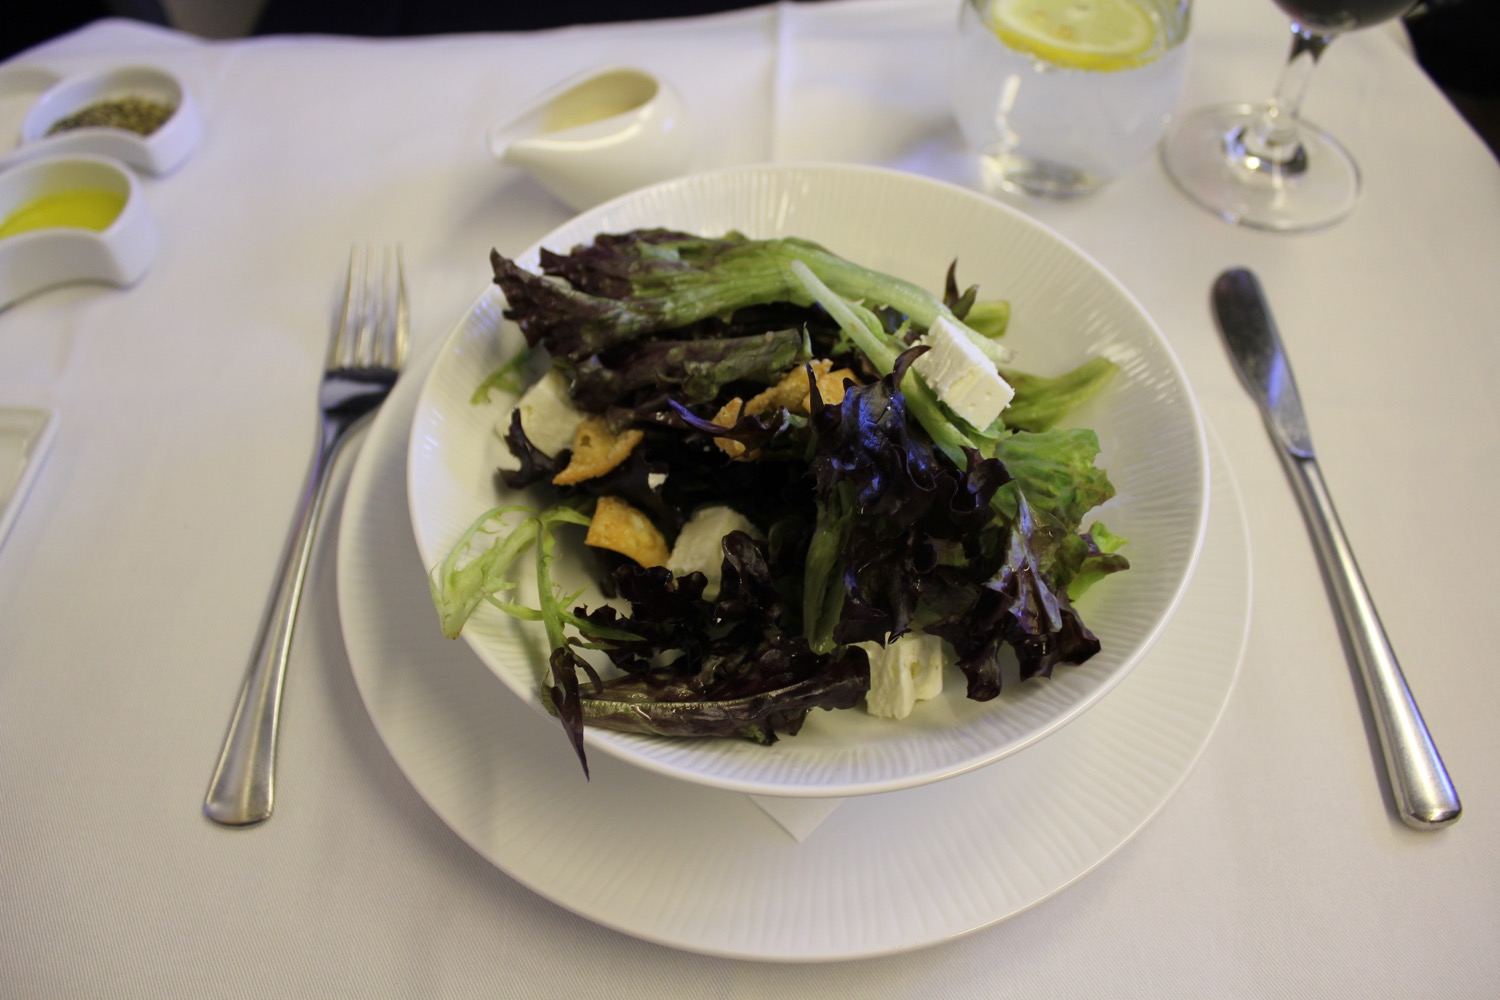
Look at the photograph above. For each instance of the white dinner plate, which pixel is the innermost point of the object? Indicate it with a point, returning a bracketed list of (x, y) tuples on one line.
[(704, 869), (1065, 310)]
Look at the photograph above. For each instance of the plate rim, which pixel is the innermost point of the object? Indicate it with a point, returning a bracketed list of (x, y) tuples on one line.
[(510, 858)]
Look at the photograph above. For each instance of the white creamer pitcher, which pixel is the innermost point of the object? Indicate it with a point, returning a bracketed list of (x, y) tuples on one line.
[(598, 135)]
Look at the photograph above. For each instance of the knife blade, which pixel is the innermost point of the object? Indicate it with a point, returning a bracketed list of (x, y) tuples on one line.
[(1424, 794)]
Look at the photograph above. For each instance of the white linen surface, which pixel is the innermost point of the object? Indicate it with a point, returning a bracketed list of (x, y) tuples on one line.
[(134, 579)]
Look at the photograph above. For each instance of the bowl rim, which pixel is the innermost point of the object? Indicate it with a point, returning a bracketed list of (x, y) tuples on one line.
[(611, 742)]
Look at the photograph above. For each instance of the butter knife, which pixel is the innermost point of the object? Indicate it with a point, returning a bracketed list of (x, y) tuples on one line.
[(1419, 781)]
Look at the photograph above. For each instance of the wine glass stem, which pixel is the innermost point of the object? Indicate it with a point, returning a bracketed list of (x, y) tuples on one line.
[(1272, 143)]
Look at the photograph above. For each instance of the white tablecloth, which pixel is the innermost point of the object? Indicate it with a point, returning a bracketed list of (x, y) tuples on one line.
[(133, 581)]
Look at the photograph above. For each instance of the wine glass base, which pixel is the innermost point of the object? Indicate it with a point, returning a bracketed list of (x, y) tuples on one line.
[(1204, 156)]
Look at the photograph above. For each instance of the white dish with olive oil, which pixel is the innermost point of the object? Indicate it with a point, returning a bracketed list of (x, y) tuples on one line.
[(72, 219)]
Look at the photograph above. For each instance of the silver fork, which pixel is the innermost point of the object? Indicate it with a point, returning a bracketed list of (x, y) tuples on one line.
[(364, 359)]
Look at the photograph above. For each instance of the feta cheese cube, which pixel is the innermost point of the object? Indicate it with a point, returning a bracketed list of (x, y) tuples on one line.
[(548, 417), (699, 547), (961, 376), (905, 672)]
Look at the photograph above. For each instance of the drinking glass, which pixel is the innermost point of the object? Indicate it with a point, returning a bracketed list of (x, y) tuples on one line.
[(1266, 167), (1060, 96)]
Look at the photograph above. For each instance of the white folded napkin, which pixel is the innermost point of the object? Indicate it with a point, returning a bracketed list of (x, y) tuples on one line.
[(25, 433), (798, 817)]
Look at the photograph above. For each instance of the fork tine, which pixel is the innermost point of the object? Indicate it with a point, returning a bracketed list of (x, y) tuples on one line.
[(342, 345), (395, 349), (370, 314), (385, 315)]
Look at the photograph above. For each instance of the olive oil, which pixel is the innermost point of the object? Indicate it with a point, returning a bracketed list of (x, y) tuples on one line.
[(84, 208)]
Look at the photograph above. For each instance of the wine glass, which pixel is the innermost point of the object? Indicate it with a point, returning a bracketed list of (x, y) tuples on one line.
[(1264, 166)]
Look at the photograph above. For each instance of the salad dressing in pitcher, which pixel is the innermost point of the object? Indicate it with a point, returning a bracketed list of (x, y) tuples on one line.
[(598, 135)]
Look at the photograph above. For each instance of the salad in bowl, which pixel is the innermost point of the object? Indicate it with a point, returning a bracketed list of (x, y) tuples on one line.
[(806, 480)]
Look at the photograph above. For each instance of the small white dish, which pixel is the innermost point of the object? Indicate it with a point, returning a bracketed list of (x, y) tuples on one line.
[(597, 135), (117, 254), (25, 435), (158, 153)]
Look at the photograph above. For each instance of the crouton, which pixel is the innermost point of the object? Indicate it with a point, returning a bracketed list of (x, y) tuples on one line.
[(596, 450), (791, 393), (621, 528)]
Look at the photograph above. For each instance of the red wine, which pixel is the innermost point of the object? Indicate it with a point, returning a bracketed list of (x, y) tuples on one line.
[(1342, 15)]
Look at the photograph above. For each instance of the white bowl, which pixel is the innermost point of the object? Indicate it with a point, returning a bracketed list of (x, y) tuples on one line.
[(119, 254), (1065, 310), (158, 153)]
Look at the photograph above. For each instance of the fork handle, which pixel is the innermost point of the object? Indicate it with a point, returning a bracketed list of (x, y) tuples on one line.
[(243, 788)]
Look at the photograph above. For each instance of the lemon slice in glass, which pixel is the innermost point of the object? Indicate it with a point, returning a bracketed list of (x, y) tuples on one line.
[(1097, 35)]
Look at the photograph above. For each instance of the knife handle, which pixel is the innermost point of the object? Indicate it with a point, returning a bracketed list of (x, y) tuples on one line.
[(1424, 794)]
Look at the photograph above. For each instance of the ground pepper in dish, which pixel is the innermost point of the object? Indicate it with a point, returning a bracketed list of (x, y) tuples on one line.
[(134, 114)]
